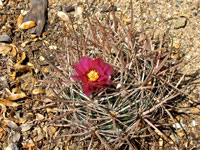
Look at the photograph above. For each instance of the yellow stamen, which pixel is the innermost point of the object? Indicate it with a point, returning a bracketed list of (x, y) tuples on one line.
[(93, 75)]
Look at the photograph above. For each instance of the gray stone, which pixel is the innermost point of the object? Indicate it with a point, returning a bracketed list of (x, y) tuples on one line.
[(180, 23), (37, 13), (5, 38), (59, 8)]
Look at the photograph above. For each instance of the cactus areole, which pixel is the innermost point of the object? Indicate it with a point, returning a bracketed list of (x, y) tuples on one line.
[(93, 73)]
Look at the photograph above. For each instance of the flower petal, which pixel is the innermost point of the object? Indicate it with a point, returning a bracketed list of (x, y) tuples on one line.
[(85, 64), (107, 69), (78, 69), (95, 84), (104, 80), (98, 62), (87, 90), (98, 65)]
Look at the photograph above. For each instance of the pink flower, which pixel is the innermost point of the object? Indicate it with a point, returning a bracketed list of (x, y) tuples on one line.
[(92, 73)]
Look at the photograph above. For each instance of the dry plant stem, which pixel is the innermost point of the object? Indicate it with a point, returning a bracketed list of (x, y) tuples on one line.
[(175, 87), (84, 45), (170, 115), (133, 128), (68, 138), (114, 21), (106, 145), (149, 75), (161, 64), (131, 146), (61, 73), (76, 135), (45, 106), (104, 39), (120, 143), (68, 83), (170, 69), (94, 103), (91, 142), (109, 39), (67, 52), (62, 90), (109, 133), (159, 104), (141, 136), (156, 129), (93, 33), (62, 125), (94, 43), (65, 114), (56, 93), (76, 36), (131, 4)]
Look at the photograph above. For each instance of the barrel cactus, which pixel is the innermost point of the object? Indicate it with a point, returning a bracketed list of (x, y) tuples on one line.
[(131, 103)]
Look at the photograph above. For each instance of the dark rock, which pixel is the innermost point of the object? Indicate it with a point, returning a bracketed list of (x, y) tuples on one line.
[(38, 14), (179, 1), (5, 38), (111, 8), (69, 9)]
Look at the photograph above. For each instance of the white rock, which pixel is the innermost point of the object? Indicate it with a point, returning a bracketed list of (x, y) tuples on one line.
[(178, 125), (118, 85), (12, 146), (26, 127), (63, 16), (52, 47), (194, 123), (78, 11)]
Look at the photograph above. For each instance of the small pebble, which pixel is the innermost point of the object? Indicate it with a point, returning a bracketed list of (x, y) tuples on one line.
[(26, 1), (178, 125), (63, 16), (27, 25), (179, 1), (52, 47), (113, 8), (69, 9), (12, 146), (59, 8), (118, 85), (8, 7), (194, 123), (78, 11), (180, 23), (5, 38), (20, 6)]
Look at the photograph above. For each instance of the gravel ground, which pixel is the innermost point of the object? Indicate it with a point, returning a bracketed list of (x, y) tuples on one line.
[(179, 18)]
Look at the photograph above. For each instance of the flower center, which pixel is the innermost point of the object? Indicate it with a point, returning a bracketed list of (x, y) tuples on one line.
[(93, 75)]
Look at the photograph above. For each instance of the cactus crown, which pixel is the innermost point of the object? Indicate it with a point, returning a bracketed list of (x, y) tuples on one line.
[(143, 81)]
